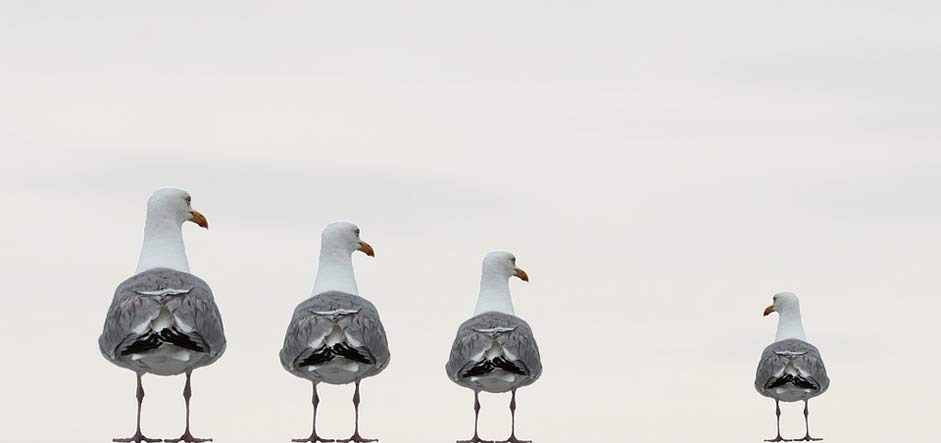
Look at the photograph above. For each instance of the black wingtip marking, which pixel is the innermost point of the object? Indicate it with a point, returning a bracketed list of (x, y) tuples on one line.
[(356, 355), (488, 366), (484, 367), (799, 382), (509, 366), (143, 344), (319, 356), (154, 340), (173, 336), (326, 354)]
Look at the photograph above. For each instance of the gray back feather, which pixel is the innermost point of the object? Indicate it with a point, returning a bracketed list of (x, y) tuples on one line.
[(470, 343), (805, 357), (139, 299), (306, 326)]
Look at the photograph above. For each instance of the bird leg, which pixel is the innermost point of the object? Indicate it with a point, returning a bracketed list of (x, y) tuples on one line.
[(356, 437), (777, 412), (138, 436), (476, 438), (807, 436), (513, 438), (187, 437), (314, 438)]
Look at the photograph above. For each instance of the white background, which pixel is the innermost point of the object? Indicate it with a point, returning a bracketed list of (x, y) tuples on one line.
[(660, 171)]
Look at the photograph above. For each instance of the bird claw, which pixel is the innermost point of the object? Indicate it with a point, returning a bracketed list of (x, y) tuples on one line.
[(807, 438), (513, 439), (777, 439), (355, 438), (137, 438), (313, 439), (476, 439), (187, 438)]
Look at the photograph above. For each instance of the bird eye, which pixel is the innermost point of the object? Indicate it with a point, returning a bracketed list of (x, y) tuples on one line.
[(189, 200), (513, 259), (356, 231)]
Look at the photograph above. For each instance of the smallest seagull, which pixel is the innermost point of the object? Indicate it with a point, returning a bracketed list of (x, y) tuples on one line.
[(790, 369), (495, 351)]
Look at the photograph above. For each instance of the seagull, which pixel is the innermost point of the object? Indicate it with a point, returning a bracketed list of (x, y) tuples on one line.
[(163, 320), (495, 351), (790, 369), (335, 336)]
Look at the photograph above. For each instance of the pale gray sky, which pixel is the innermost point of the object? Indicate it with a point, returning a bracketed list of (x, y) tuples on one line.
[(659, 171)]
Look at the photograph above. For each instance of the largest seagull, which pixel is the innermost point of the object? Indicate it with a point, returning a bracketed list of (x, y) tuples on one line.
[(163, 320), (335, 336)]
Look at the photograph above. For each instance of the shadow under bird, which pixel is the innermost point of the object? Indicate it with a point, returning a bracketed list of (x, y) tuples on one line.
[(335, 336), (790, 369), (495, 351), (163, 320)]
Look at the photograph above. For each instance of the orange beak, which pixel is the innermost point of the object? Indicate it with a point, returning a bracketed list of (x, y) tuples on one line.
[(521, 274), (366, 249), (199, 219), (768, 310)]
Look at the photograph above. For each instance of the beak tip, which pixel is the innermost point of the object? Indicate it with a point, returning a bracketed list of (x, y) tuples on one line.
[(365, 248), (199, 219)]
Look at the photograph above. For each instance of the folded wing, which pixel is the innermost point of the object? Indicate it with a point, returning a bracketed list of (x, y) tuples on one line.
[(791, 370), (494, 347), (162, 314)]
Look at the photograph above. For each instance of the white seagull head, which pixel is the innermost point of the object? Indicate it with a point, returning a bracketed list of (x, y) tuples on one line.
[(501, 264), (343, 237), (783, 302), (174, 205)]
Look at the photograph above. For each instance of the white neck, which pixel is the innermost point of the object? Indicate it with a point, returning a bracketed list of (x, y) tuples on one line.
[(790, 325), (494, 294), (163, 245), (335, 272)]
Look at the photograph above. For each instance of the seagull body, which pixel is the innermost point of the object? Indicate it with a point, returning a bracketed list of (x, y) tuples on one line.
[(336, 336), (163, 320), (495, 351), (790, 369)]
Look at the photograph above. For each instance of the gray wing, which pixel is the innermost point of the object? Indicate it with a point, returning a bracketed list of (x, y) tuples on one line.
[(198, 315), (478, 334), (317, 316), (802, 356), (127, 317), (140, 299)]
